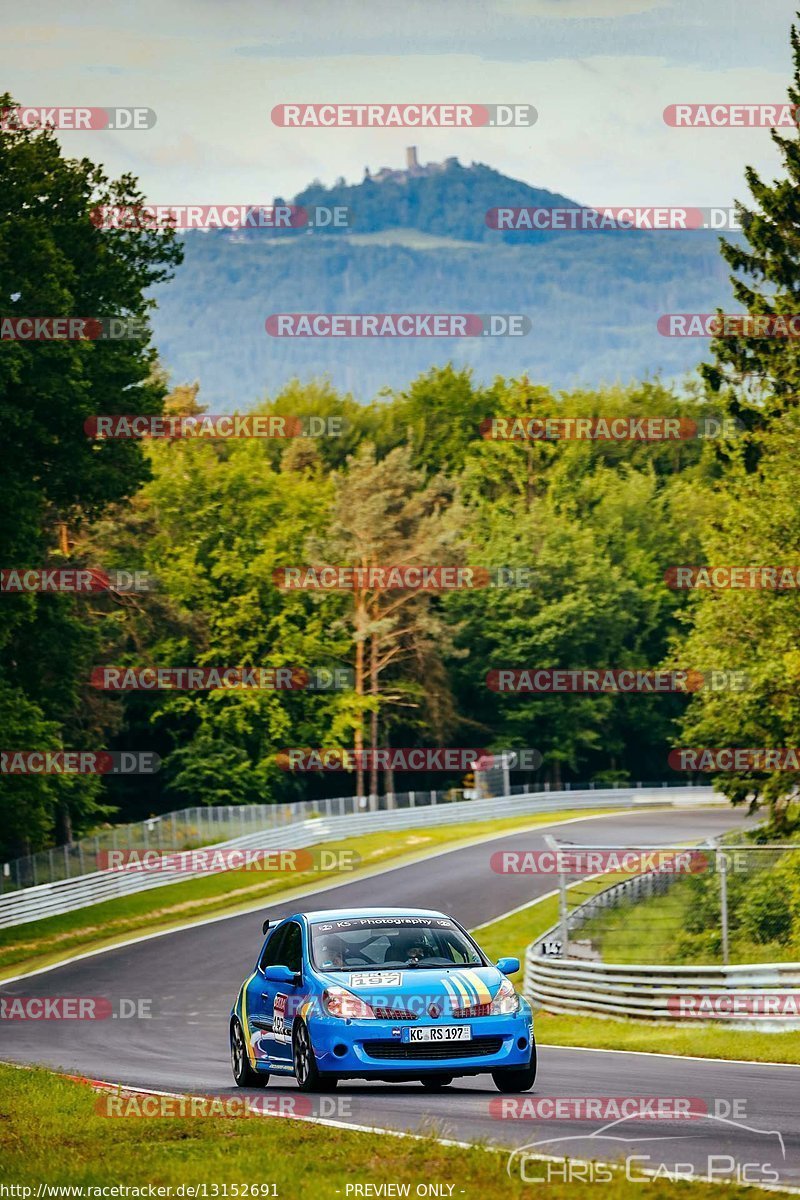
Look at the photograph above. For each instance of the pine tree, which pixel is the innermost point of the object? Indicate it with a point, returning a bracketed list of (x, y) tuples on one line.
[(759, 377)]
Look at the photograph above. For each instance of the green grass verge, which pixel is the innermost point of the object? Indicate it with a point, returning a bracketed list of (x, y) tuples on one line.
[(512, 934), (653, 931), (40, 943), (644, 931), (710, 1042), (51, 1133)]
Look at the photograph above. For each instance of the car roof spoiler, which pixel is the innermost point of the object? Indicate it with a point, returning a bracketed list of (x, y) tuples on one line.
[(271, 922)]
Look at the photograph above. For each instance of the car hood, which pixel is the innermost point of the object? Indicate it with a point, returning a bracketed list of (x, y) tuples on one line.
[(414, 988)]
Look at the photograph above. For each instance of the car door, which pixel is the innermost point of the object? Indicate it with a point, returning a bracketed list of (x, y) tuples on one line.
[(281, 1000), (259, 1006)]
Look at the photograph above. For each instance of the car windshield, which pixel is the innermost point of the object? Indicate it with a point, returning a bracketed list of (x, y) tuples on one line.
[(381, 943)]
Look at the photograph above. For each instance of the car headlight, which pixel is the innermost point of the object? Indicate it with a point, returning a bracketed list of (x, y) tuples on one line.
[(505, 1002), (338, 1002)]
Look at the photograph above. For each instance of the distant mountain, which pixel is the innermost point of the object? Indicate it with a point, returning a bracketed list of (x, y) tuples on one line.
[(445, 199), (419, 242)]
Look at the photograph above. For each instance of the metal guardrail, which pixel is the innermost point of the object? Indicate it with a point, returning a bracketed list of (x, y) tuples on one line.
[(186, 829), (744, 996), (210, 824), (52, 899), (639, 887), (650, 993)]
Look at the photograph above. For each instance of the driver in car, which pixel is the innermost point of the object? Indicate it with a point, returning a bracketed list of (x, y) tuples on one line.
[(418, 949), (332, 954)]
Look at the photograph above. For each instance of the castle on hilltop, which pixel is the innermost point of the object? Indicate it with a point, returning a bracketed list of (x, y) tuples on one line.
[(413, 169)]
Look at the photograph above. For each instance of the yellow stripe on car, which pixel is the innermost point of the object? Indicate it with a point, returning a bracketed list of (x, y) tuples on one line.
[(245, 1023)]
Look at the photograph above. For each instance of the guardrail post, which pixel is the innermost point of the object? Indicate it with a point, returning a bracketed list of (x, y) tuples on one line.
[(412, 800), (433, 796), (562, 912), (722, 868)]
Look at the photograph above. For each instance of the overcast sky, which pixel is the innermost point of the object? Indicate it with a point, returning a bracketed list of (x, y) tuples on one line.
[(600, 73)]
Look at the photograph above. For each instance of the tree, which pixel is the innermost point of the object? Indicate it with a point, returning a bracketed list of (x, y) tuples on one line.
[(56, 262), (596, 524), (755, 632), (759, 377), (218, 520), (384, 513)]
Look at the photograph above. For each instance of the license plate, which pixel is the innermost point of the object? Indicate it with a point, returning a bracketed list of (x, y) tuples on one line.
[(437, 1033)]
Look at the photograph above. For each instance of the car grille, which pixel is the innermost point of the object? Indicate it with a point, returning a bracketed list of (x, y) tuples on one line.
[(477, 1048), (477, 1010), (395, 1014)]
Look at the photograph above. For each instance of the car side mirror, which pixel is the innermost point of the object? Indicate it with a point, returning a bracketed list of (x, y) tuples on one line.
[(281, 974), (508, 966)]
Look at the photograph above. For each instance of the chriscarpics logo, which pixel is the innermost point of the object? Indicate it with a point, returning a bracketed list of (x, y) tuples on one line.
[(703, 1142)]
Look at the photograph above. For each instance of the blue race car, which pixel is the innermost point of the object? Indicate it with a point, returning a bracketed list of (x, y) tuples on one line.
[(379, 993)]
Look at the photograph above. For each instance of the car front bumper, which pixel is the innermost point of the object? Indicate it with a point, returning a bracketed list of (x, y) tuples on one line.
[(375, 1049)]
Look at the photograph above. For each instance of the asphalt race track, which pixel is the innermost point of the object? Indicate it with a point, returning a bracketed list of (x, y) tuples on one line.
[(191, 978)]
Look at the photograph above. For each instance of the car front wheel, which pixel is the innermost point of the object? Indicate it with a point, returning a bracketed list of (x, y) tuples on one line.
[(517, 1079), (243, 1073), (307, 1074)]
